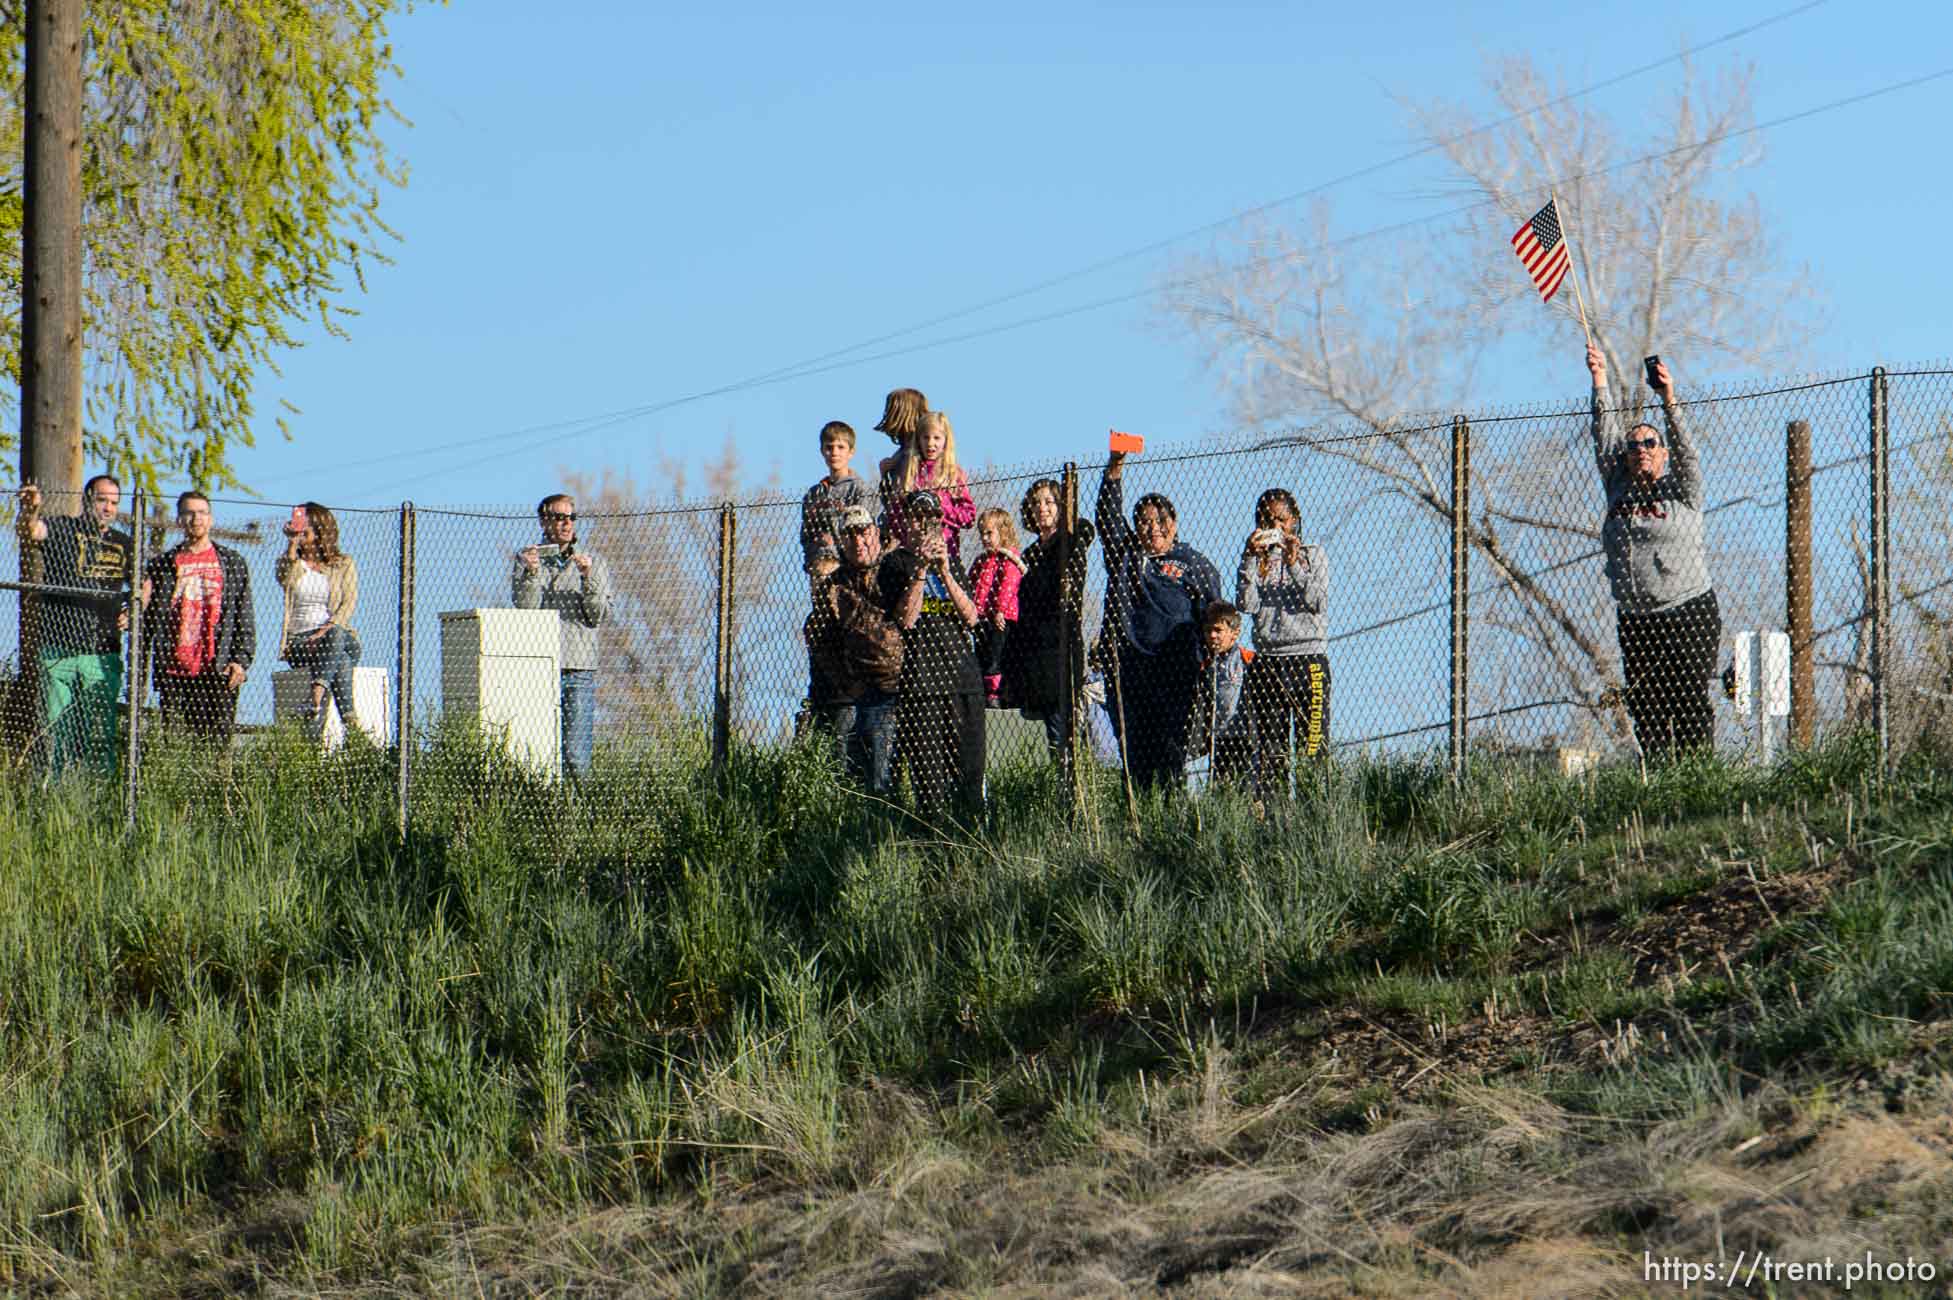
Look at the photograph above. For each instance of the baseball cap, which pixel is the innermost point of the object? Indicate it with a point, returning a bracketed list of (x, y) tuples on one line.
[(856, 517)]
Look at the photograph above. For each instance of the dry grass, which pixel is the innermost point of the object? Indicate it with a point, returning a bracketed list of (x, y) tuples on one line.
[(1494, 1192)]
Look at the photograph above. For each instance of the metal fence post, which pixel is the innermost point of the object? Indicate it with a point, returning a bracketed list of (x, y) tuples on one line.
[(403, 681), (1461, 457), (1074, 789), (1881, 593), (1797, 582), (132, 674), (722, 683)]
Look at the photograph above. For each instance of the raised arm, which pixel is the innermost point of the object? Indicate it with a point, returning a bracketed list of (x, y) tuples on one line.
[(29, 527), (1115, 534), (1606, 423), (1684, 461)]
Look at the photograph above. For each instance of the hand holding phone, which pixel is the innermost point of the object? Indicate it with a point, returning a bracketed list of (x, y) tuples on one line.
[(298, 523)]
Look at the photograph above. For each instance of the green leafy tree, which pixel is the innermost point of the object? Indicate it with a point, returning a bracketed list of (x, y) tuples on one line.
[(232, 169)]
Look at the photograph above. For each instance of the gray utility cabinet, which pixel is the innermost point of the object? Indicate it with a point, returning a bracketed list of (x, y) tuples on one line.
[(500, 672)]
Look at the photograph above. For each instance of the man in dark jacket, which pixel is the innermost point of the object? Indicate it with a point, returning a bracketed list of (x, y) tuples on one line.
[(199, 627), (80, 636), (1155, 589), (857, 654)]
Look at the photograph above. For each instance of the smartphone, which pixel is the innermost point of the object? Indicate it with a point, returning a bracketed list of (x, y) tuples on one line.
[(1268, 539), (298, 523), (1650, 363)]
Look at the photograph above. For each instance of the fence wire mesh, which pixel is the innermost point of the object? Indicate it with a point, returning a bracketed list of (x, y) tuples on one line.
[(541, 647)]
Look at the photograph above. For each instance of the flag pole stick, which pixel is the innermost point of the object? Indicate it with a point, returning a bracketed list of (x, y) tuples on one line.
[(1572, 270)]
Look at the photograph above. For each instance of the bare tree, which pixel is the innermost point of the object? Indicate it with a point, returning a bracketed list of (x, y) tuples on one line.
[(1305, 326), (662, 548)]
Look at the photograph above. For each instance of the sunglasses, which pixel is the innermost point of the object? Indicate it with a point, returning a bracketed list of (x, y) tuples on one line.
[(558, 517), (1643, 444)]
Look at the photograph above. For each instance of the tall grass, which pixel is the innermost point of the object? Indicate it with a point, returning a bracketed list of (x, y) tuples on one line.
[(665, 976)]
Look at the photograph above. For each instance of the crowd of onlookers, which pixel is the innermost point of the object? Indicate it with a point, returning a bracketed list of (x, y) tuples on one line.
[(199, 622), (909, 644)]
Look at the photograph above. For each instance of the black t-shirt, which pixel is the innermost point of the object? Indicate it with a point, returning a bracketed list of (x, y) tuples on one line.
[(75, 555), (937, 658)]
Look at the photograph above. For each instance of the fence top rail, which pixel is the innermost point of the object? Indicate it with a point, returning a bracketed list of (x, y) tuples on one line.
[(1210, 445)]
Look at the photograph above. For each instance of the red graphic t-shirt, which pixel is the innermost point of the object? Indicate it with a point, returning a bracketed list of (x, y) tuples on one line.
[(195, 604)]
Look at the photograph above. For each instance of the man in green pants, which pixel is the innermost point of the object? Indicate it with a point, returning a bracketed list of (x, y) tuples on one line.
[(80, 636)]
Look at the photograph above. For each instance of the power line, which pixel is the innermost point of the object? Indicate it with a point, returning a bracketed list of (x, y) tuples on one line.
[(818, 364), (1360, 173), (1078, 309), (1343, 241)]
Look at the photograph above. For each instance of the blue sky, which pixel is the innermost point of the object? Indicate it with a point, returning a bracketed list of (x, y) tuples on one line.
[(623, 204)]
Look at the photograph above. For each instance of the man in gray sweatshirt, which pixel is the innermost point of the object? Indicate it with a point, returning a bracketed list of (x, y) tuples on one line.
[(560, 575), (1668, 618)]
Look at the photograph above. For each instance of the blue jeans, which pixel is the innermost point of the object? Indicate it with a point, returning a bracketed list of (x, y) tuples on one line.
[(331, 660), (579, 719), (865, 731)]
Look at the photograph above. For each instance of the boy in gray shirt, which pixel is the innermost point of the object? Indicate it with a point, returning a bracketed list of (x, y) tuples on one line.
[(1668, 619)]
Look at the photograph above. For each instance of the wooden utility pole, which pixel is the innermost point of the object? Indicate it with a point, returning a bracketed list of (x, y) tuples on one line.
[(50, 309), (1797, 583), (50, 362)]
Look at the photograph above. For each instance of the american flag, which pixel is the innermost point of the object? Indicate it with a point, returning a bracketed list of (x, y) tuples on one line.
[(1541, 247)]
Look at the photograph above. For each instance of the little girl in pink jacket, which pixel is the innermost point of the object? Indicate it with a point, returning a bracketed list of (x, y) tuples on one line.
[(993, 586)]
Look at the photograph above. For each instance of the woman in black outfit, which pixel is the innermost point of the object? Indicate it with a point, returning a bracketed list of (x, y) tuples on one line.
[(1043, 640)]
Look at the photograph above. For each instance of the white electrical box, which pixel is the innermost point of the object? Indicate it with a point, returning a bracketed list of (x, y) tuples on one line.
[(499, 670), (1762, 661), (291, 693)]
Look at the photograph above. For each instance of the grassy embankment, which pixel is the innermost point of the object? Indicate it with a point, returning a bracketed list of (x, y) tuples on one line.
[(1402, 1039)]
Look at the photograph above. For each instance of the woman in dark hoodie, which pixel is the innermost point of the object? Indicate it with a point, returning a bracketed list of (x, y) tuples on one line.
[(1155, 589), (1044, 660)]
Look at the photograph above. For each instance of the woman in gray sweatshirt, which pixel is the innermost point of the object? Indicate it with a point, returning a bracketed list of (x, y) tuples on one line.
[(1669, 621), (1282, 585)]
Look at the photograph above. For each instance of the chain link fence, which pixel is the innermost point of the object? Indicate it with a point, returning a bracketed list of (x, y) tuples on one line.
[(1436, 586)]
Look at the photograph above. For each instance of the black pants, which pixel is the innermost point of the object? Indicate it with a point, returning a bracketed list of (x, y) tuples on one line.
[(1287, 699), (991, 641), (940, 740), (204, 706), (1149, 702), (1667, 659)]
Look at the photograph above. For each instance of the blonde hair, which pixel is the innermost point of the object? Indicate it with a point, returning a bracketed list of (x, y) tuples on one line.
[(1006, 526), (902, 413), (946, 470)]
